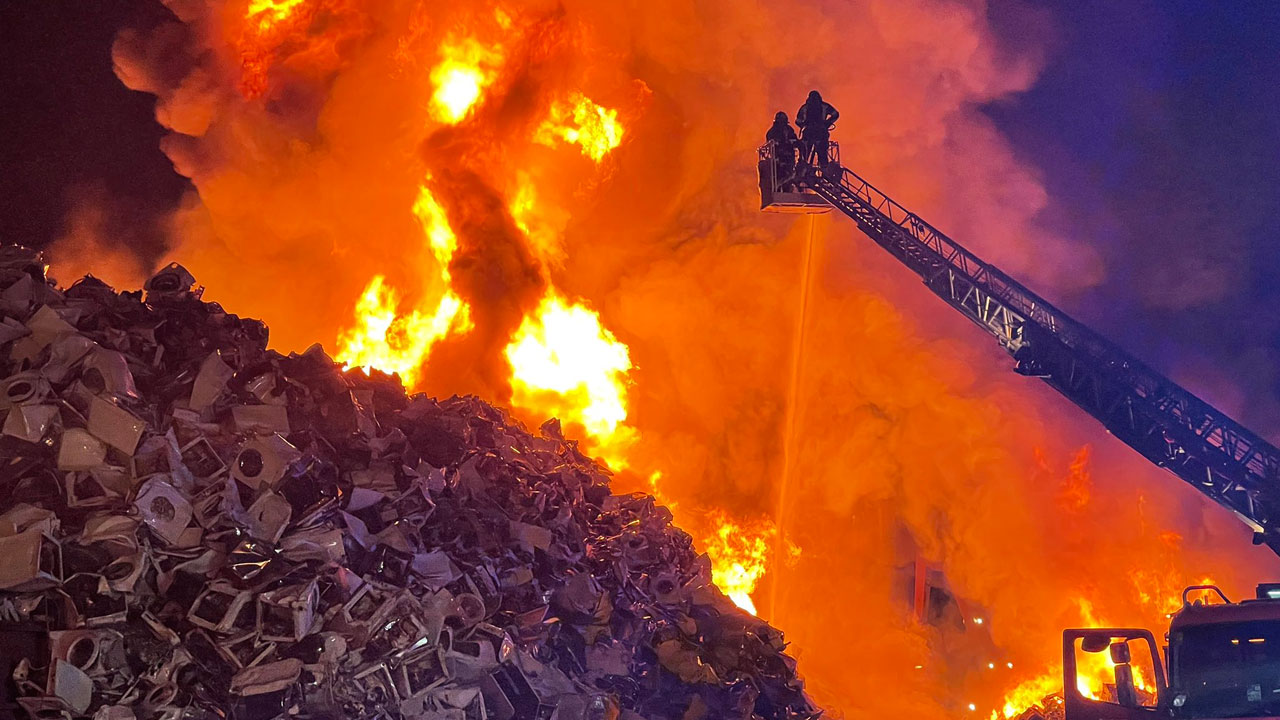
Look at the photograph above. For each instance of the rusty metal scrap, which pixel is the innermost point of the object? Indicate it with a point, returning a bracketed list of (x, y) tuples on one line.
[(194, 526)]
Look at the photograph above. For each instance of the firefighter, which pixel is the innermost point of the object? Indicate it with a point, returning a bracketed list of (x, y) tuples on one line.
[(785, 146), (816, 118)]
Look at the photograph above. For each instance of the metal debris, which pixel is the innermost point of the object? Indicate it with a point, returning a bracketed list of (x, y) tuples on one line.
[(193, 526)]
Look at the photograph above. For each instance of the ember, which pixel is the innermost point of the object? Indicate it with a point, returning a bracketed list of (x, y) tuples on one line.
[(191, 523)]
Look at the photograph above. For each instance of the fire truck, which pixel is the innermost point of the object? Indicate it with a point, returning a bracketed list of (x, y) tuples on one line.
[(1219, 659), (1223, 662)]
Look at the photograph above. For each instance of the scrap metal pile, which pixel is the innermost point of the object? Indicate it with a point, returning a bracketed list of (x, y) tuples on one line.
[(193, 526)]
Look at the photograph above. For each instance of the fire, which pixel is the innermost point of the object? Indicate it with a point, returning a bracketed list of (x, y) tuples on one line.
[(268, 24), (539, 223), (739, 552), (465, 70), (594, 128), (1094, 672), (1031, 693), (435, 225), (1157, 585), (1075, 488), (306, 127), (392, 342), (739, 557), (400, 342), (566, 364), (522, 206), (270, 12), (655, 481)]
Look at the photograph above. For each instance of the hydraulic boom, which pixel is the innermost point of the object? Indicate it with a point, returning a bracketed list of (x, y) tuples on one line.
[(1168, 425)]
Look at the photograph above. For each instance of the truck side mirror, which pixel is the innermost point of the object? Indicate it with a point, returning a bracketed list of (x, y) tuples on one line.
[(1120, 653), (1126, 692), (1095, 643)]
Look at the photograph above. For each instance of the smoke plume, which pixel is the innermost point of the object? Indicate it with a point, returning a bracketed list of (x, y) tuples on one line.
[(308, 130)]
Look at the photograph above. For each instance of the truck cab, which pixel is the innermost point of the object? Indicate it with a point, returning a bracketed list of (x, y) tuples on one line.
[(1223, 661)]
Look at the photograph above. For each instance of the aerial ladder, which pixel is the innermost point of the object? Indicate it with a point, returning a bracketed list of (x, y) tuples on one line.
[(1150, 413), (1221, 657)]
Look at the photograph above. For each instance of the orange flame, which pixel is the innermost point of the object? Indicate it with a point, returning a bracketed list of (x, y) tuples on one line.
[(739, 557), (1031, 692), (271, 26), (594, 128), (1094, 671), (566, 364), (395, 342), (1076, 487), (655, 480), (435, 225), (270, 12), (465, 70), (539, 223)]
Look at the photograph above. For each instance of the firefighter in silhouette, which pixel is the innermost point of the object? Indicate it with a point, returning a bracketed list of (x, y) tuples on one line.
[(785, 146), (816, 118)]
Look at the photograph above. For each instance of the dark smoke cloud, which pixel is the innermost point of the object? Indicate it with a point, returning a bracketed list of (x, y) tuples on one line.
[(494, 273)]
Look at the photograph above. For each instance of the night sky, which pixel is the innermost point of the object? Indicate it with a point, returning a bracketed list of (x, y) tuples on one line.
[(1156, 126), (69, 129)]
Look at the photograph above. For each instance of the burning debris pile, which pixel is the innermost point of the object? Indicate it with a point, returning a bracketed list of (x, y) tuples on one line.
[(193, 526), (1051, 707)]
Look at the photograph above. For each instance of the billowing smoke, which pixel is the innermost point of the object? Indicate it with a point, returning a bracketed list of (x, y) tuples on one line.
[(109, 237), (309, 131)]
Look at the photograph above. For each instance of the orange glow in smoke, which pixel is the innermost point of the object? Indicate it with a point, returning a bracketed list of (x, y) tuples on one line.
[(739, 557), (307, 127), (394, 341), (465, 70), (539, 223), (268, 25), (565, 364), (580, 121)]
